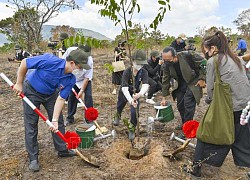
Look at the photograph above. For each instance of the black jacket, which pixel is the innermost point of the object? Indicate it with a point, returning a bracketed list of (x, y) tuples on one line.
[(153, 68), (178, 47)]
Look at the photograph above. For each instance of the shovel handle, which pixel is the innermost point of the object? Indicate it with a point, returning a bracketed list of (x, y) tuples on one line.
[(33, 107), (85, 108)]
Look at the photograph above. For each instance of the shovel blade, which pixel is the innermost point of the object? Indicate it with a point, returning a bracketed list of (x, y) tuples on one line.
[(85, 159)]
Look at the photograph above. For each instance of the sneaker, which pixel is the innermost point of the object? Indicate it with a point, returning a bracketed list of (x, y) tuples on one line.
[(150, 101), (131, 133), (67, 153), (114, 92), (34, 166), (117, 119)]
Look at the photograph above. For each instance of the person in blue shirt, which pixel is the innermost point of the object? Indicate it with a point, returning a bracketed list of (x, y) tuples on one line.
[(49, 84), (242, 46)]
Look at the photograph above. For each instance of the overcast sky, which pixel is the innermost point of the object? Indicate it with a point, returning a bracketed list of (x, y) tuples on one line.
[(185, 16)]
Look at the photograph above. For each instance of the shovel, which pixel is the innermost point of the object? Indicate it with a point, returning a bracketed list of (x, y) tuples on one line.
[(86, 109), (39, 113)]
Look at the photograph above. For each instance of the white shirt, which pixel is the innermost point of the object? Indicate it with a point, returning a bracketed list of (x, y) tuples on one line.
[(81, 74)]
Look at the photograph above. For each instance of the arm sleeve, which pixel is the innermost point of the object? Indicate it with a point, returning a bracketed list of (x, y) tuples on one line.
[(64, 93), (127, 94), (152, 71), (144, 89), (89, 73), (166, 80), (210, 78), (200, 65)]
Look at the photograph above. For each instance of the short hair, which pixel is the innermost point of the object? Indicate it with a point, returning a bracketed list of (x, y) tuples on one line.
[(171, 49)]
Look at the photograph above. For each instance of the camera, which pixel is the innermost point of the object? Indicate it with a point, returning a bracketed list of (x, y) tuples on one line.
[(52, 44)]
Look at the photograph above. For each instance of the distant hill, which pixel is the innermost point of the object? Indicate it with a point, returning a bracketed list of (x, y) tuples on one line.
[(46, 34)]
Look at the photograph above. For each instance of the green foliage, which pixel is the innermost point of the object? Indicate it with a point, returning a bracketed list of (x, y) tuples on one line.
[(81, 40), (161, 13), (243, 22), (7, 47), (168, 40), (109, 67)]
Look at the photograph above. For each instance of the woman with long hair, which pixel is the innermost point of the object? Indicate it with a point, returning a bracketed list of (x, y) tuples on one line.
[(215, 48)]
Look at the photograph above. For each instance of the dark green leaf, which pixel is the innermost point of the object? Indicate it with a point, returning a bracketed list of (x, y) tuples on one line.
[(162, 2), (138, 8), (129, 23)]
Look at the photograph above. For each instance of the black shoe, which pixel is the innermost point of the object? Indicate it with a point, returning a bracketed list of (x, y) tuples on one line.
[(34, 166), (66, 153), (194, 171)]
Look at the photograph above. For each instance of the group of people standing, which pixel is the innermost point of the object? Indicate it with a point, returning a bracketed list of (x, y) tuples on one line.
[(51, 83), (192, 72)]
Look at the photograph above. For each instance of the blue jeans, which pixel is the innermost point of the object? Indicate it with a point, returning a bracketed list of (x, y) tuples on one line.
[(72, 101)]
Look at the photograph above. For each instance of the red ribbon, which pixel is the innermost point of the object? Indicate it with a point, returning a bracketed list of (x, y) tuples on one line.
[(91, 114), (73, 139), (190, 128)]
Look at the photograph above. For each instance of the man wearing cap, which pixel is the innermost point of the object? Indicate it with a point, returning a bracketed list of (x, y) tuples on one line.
[(154, 70), (179, 43), (186, 68), (49, 84), (131, 94), (83, 85), (20, 53)]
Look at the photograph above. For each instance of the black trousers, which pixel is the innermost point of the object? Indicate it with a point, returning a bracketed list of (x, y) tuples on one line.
[(72, 101), (242, 52), (154, 86), (121, 103), (240, 148), (186, 103)]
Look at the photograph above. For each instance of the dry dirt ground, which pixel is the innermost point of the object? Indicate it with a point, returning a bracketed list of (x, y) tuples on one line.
[(110, 154)]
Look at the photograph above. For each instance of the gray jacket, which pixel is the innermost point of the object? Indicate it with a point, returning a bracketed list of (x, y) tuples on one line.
[(231, 74)]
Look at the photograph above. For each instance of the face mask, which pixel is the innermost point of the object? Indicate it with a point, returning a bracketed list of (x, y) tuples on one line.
[(137, 66), (207, 56), (18, 51), (76, 72), (181, 41)]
